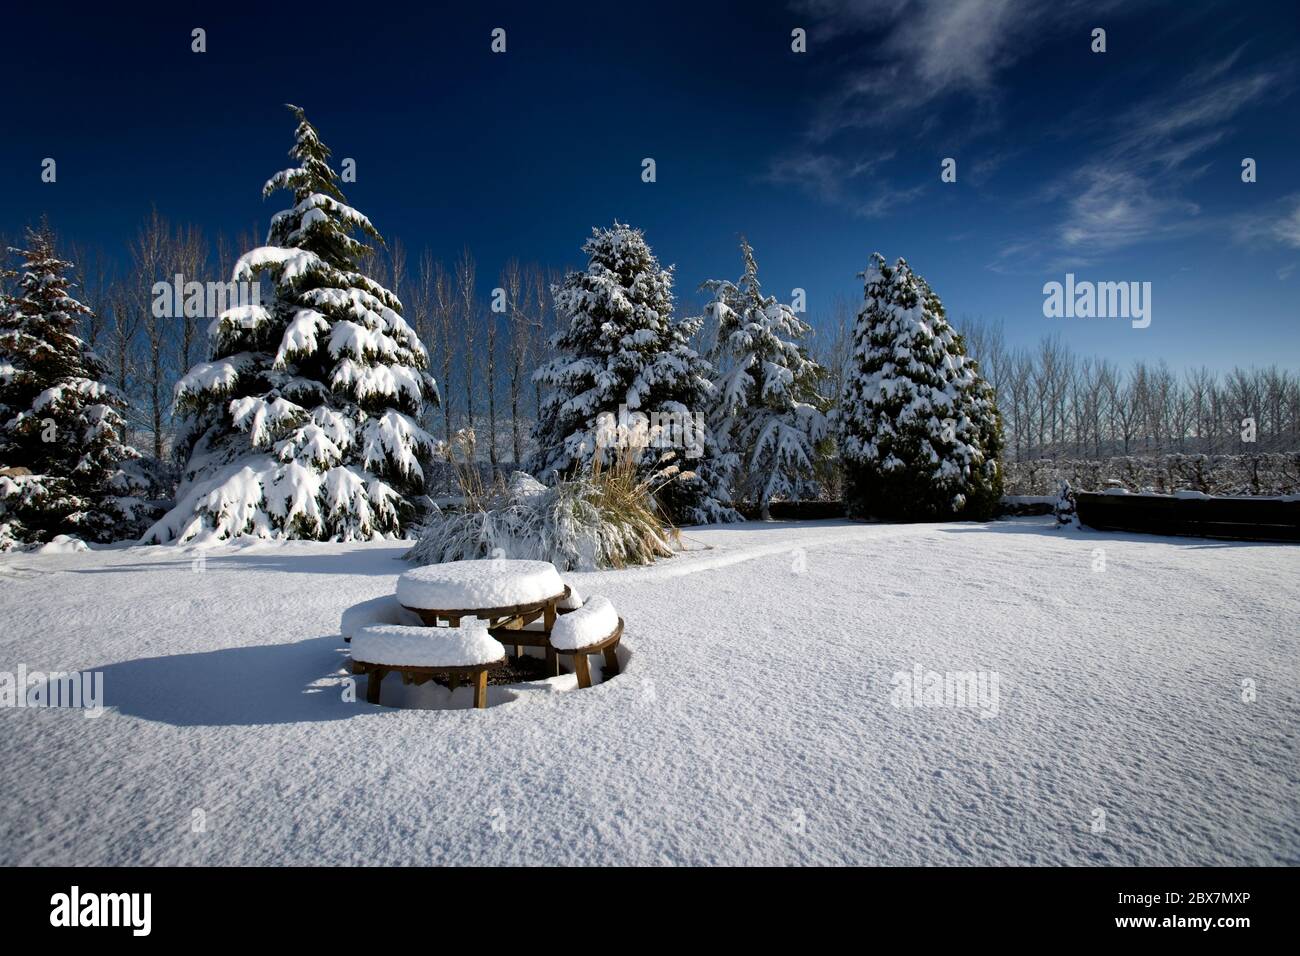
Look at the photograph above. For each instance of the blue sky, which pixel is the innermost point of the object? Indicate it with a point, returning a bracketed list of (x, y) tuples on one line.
[(1121, 166)]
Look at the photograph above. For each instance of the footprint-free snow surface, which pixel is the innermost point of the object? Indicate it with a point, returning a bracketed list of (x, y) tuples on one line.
[(1145, 712)]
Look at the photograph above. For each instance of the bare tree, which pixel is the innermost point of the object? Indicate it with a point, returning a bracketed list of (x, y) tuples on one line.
[(420, 311), (520, 291), (490, 377), (444, 319), (467, 302), (121, 334), (189, 258), (93, 275), (151, 255)]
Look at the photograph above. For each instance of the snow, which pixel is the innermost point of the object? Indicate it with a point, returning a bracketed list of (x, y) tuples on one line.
[(400, 645), (63, 544), (590, 624), (385, 609), (751, 722), (483, 583)]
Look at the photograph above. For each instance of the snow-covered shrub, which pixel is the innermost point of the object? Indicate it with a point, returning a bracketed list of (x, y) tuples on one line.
[(1066, 508), (919, 430), (766, 413), (603, 518), (305, 422), (623, 350), (63, 467)]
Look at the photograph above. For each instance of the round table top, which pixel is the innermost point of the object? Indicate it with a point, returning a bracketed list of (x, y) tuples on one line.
[(483, 583)]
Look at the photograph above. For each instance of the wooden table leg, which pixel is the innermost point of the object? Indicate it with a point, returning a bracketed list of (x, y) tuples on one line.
[(372, 684), (480, 689), (581, 668), (611, 661), (552, 662)]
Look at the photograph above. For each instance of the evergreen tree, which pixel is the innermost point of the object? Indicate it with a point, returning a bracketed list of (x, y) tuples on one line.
[(766, 412), (1067, 509), (920, 435), (63, 466), (625, 354), (305, 422)]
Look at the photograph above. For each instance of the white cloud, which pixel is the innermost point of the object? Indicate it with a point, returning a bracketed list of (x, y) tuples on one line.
[(927, 50), (836, 181), (1133, 189), (1286, 227)]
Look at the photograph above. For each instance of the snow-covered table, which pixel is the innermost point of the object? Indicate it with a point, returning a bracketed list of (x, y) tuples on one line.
[(509, 595)]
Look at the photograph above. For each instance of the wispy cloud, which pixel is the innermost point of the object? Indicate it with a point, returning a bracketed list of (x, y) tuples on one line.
[(927, 50), (1134, 188), (853, 185), (822, 175), (1277, 224), (1286, 227), (906, 57)]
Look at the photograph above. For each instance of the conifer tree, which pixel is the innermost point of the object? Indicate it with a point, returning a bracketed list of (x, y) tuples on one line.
[(919, 430), (623, 353), (766, 412), (63, 466), (305, 422)]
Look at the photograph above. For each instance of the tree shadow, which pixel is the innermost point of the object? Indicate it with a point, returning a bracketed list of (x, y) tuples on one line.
[(236, 686), (1040, 526), (375, 562)]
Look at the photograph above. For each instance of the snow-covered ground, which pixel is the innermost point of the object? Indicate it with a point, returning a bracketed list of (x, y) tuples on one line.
[(755, 721)]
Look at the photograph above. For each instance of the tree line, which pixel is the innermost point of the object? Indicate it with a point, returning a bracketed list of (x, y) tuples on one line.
[(1054, 401), (1058, 403)]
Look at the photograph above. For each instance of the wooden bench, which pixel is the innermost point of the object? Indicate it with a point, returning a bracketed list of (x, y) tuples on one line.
[(593, 628), (476, 675), (419, 654), (608, 648)]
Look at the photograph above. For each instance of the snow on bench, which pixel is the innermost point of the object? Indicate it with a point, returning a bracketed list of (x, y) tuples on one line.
[(483, 583), (397, 645), (570, 603), (385, 609), (592, 623)]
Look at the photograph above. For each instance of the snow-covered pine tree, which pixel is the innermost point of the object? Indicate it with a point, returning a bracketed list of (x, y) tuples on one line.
[(624, 350), (766, 413), (1067, 513), (919, 430), (305, 423), (63, 466)]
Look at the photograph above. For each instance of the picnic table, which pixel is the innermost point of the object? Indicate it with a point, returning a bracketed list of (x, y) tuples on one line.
[(509, 594), (469, 611)]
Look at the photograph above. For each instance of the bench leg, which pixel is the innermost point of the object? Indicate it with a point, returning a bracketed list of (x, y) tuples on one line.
[(372, 685), (480, 690), (580, 667), (552, 662), (611, 661)]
